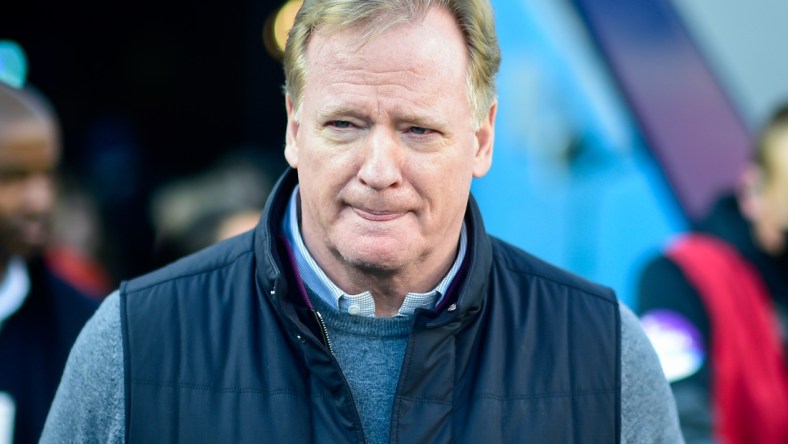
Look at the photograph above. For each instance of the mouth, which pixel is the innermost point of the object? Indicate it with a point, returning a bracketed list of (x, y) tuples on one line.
[(33, 232), (377, 215)]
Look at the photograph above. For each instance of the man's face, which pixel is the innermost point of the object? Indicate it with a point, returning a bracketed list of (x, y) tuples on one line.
[(386, 148), (773, 217), (27, 159)]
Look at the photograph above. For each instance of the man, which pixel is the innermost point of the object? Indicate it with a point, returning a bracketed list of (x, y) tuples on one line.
[(369, 305), (40, 314), (716, 307)]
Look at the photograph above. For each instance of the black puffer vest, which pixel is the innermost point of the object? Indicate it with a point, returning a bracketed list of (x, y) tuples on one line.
[(220, 347)]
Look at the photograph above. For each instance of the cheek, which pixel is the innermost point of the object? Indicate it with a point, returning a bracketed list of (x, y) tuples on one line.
[(9, 199), (781, 201), (318, 188), (445, 185), (322, 173), (452, 173), (777, 208)]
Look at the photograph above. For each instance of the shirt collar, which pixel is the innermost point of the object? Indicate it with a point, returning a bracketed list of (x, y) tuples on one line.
[(361, 304), (14, 288)]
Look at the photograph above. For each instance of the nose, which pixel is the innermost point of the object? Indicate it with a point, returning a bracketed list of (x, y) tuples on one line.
[(382, 160), (38, 194)]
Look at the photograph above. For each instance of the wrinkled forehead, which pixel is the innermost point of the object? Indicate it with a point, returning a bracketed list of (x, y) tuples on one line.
[(401, 41)]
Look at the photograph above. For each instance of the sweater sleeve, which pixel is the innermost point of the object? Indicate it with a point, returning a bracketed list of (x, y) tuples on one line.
[(648, 410), (89, 404)]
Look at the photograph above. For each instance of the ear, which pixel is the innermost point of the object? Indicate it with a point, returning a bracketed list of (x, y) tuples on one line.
[(485, 136), (748, 192), (291, 135)]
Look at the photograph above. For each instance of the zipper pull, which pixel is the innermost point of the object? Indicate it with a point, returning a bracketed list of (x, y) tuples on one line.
[(323, 331)]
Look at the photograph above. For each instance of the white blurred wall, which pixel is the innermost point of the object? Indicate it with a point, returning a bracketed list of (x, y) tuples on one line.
[(746, 42)]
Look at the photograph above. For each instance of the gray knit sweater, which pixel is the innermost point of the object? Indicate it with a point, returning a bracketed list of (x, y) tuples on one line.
[(89, 405)]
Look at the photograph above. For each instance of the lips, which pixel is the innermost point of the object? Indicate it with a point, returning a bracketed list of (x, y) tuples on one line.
[(378, 215), (32, 231)]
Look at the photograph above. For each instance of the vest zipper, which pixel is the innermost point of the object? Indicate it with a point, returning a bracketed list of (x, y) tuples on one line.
[(323, 331), (327, 343)]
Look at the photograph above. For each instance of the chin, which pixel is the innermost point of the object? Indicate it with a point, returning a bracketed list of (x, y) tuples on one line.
[(382, 262)]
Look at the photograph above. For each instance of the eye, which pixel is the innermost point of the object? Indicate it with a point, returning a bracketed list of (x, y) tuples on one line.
[(419, 130), (341, 124)]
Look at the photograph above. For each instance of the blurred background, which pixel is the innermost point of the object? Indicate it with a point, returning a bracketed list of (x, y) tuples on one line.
[(620, 121)]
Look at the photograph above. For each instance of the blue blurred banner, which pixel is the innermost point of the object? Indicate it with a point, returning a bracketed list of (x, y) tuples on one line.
[(572, 180)]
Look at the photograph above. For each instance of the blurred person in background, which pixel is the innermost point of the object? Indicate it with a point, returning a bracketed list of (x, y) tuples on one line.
[(715, 305), (196, 211), (40, 313), (75, 250)]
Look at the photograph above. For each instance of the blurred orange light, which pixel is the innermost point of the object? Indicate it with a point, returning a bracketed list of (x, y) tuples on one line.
[(284, 21)]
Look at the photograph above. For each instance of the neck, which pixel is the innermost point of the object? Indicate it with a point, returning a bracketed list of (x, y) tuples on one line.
[(388, 287)]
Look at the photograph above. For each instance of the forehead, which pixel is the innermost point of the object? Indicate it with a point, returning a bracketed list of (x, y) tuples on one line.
[(28, 144), (426, 49)]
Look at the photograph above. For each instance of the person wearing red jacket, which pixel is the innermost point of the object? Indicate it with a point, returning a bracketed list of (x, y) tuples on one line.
[(715, 306)]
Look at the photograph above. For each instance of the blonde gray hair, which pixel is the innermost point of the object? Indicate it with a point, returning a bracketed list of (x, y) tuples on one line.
[(474, 17)]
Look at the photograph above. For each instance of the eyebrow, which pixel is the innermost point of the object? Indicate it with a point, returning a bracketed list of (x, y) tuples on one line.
[(340, 110), (346, 110), (423, 120)]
